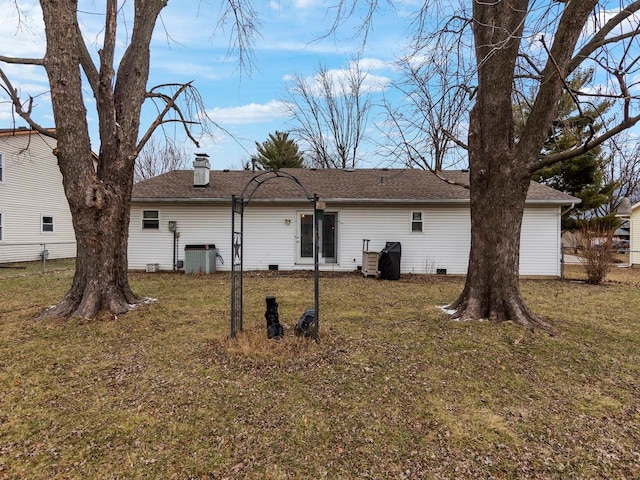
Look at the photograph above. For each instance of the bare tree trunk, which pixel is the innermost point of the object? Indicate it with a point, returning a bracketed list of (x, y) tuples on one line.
[(501, 168), (492, 289), (100, 198), (100, 281), (499, 174)]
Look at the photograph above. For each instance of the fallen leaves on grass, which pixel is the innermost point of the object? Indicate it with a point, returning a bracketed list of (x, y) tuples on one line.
[(391, 390)]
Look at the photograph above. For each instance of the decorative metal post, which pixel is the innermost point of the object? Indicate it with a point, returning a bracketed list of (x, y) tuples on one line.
[(236, 266)]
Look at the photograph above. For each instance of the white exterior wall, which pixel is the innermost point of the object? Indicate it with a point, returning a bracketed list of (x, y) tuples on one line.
[(197, 224), (634, 240), (540, 241), (271, 239), (443, 243), (32, 188)]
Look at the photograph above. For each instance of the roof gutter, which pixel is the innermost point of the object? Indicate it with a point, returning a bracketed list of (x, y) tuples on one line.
[(571, 207), (390, 201)]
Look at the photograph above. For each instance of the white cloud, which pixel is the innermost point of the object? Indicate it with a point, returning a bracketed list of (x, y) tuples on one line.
[(280, 5), (304, 3), (6, 113), (340, 81), (251, 113), (19, 74), (21, 29), (370, 64), (602, 16)]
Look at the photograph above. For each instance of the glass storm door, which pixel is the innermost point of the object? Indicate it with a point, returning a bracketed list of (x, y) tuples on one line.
[(328, 238), (305, 238)]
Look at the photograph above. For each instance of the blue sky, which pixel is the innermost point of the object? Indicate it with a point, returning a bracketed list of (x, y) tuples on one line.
[(249, 104), (188, 46)]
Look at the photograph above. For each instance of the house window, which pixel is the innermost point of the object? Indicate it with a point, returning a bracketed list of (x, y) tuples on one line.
[(416, 221), (1, 227), (47, 223), (1, 167), (150, 220)]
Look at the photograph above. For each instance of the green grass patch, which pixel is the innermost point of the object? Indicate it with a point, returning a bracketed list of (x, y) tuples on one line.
[(393, 390)]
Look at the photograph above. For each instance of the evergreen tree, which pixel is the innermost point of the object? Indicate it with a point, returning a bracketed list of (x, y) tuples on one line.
[(582, 176), (278, 151)]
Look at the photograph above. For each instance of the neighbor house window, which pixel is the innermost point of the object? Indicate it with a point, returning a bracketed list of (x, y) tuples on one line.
[(1, 227), (1, 167), (47, 223), (150, 220), (416, 221)]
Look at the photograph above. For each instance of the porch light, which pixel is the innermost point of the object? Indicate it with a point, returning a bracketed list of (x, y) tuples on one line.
[(320, 207)]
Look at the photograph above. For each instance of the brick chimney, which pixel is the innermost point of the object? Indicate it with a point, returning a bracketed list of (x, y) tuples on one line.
[(201, 168)]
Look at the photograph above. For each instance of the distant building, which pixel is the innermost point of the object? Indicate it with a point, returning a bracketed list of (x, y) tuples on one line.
[(34, 212), (634, 237)]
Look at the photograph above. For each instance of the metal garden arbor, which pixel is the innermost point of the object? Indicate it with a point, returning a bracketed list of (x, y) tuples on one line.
[(238, 205)]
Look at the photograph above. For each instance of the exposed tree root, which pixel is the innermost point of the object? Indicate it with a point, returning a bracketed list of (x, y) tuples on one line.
[(90, 304), (466, 308)]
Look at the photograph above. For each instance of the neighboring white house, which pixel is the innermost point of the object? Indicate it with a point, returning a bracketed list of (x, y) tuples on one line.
[(34, 212), (634, 235), (430, 218)]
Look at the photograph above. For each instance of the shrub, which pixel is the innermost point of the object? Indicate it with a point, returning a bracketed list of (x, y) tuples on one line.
[(597, 252)]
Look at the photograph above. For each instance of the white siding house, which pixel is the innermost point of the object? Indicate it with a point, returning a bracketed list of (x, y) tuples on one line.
[(634, 236), (428, 217), (34, 213)]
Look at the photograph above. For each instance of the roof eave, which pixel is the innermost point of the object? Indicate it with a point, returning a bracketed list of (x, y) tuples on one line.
[(560, 202), (392, 201)]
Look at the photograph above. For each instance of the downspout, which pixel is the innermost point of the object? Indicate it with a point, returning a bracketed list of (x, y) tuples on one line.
[(175, 249)]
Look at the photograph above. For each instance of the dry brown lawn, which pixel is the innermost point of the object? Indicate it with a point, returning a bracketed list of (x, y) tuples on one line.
[(393, 390)]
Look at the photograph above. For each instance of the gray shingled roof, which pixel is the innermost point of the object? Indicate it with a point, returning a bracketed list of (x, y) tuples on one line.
[(331, 185)]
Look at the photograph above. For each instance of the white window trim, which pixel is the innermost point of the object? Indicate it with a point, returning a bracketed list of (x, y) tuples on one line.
[(142, 220), (411, 222), (3, 170), (2, 215), (53, 224)]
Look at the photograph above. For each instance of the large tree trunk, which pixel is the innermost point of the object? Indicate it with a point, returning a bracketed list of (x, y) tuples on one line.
[(499, 175), (501, 168), (101, 278), (492, 290), (100, 198)]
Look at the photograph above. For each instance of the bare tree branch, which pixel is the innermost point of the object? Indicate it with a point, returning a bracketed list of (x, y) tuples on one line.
[(554, 73), (330, 114), (243, 18), (601, 39), (17, 105), (170, 104), (22, 61), (88, 67), (155, 159), (585, 147), (455, 140), (437, 90)]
